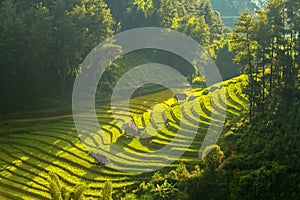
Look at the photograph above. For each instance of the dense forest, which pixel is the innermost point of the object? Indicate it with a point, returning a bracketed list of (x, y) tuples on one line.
[(43, 43)]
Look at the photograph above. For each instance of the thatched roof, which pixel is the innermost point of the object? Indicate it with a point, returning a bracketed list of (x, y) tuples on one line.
[(100, 158), (130, 126)]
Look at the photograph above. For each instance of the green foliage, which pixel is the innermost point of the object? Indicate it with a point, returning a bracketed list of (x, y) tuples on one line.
[(55, 188), (197, 171), (41, 35), (67, 156), (206, 187), (182, 172), (146, 197), (174, 185), (144, 6), (60, 192), (213, 156), (65, 193), (220, 51), (78, 192), (266, 45), (267, 157), (129, 197), (12, 31), (107, 191), (205, 24), (157, 177), (122, 65), (37, 46), (40, 57), (241, 40), (164, 191), (197, 28), (146, 188)]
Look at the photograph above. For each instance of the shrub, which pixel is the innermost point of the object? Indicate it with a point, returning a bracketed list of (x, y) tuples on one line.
[(59, 192), (107, 191), (157, 177), (182, 172), (146, 197), (129, 197), (164, 191), (213, 156)]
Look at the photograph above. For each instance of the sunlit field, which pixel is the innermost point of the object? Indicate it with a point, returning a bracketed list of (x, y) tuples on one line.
[(31, 147)]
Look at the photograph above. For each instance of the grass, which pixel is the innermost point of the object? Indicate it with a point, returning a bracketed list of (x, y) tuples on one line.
[(30, 148)]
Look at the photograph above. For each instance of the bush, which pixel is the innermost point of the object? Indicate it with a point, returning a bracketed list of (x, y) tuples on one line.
[(146, 197), (129, 197), (213, 156), (107, 191), (164, 191)]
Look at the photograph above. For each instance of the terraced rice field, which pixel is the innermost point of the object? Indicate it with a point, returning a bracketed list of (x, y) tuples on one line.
[(30, 148)]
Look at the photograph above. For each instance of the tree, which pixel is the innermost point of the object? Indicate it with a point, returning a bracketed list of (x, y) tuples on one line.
[(107, 191), (12, 48), (164, 191), (93, 18), (118, 10), (212, 19), (291, 18), (51, 39), (78, 192), (263, 37), (275, 16), (168, 10), (244, 47), (67, 54), (55, 188), (37, 58), (88, 24), (59, 192), (213, 157), (219, 50), (195, 28)]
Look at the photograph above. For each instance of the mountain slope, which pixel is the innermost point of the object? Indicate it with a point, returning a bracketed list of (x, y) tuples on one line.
[(32, 147), (230, 9)]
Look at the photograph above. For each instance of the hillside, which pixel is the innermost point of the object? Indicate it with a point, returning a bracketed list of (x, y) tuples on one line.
[(231, 9), (237, 139), (31, 148)]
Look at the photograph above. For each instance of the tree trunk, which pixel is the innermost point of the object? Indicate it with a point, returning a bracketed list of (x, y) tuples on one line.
[(251, 77)]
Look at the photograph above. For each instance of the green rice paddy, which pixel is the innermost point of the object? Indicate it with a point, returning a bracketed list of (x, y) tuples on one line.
[(30, 148)]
